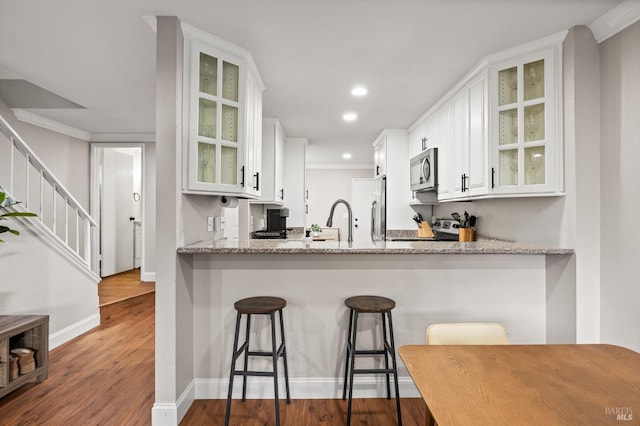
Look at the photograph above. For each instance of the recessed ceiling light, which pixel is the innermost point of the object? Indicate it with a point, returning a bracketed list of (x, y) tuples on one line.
[(359, 91), (346, 155), (349, 116)]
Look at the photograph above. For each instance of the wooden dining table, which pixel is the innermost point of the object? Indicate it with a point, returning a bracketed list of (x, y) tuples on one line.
[(583, 384)]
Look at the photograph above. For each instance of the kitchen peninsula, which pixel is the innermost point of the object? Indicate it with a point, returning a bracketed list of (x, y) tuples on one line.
[(523, 286)]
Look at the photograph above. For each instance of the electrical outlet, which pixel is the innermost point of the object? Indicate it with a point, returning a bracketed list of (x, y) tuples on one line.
[(210, 223), (222, 221)]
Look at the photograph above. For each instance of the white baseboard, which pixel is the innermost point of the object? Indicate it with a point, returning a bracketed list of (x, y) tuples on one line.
[(163, 414), (74, 330), (303, 388), (148, 276), (166, 414)]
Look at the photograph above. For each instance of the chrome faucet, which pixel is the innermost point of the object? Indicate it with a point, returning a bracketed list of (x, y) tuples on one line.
[(330, 220)]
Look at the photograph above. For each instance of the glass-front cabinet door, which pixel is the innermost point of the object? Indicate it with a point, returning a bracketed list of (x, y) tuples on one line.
[(220, 121), (526, 129)]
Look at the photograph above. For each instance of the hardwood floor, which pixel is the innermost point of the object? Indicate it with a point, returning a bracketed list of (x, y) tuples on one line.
[(106, 377), (122, 286), (307, 412)]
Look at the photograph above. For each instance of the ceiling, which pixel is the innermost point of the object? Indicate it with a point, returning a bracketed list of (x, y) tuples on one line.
[(310, 53)]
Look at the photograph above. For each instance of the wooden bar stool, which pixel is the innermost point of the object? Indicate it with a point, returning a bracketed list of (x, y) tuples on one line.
[(263, 305), (370, 305)]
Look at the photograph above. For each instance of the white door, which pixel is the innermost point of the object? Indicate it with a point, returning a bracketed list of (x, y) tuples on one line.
[(361, 199), (116, 227)]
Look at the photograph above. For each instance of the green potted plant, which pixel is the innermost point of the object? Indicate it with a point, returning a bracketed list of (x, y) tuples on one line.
[(5, 202), (315, 229)]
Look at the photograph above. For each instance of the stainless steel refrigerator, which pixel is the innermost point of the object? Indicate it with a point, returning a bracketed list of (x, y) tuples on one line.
[(379, 210)]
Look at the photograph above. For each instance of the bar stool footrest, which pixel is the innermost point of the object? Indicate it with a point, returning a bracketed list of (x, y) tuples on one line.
[(253, 373), (373, 371)]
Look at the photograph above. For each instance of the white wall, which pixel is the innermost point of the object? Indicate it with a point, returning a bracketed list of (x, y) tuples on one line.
[(148, 268), (620, 151), (54, 287), (325, 187)]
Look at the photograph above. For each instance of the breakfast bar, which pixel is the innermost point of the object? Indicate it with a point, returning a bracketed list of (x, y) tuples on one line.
[(523, 286)]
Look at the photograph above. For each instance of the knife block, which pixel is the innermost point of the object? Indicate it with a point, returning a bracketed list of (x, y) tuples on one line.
[(425, 231), (466, 235)]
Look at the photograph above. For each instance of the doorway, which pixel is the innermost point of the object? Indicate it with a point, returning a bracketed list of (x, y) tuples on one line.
[(117, 206)]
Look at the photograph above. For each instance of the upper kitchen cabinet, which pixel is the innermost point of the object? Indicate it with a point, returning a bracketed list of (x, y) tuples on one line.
[(380, 156), (273, 137), (223, 116), (393, 146), (464, 165), (424, 135), (526, 124), (295, 181)]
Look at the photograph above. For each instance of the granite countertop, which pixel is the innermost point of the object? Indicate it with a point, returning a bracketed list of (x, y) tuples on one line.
[(296, 246)]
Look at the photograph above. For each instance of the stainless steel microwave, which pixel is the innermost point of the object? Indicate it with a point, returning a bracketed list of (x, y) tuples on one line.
[(424, 171)]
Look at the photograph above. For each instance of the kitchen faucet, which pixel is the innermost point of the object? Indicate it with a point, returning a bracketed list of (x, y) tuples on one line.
[(330, 220)]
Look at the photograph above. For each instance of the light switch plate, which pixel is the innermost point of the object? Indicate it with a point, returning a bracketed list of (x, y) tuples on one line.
[(210, 223)]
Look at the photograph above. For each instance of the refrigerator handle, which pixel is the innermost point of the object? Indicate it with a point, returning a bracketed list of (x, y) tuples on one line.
[(373, 220)]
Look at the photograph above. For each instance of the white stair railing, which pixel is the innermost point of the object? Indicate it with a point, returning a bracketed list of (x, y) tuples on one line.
[(60, 215)]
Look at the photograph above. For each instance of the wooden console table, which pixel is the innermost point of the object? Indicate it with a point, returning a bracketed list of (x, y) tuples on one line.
[(27, 331)]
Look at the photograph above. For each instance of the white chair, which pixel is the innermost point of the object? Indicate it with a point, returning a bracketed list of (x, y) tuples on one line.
[(475, 333), (467, 334)]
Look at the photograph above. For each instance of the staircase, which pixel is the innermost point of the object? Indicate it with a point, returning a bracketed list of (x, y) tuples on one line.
[(61, 220)]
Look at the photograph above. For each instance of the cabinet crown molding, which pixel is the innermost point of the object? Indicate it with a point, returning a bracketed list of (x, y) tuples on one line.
[(193, 33), (553, 40)]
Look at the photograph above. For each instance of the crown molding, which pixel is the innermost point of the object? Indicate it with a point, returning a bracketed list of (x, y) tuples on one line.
[(615, 20), (340, 166), (123, 137), (46, 123), (192, 33)]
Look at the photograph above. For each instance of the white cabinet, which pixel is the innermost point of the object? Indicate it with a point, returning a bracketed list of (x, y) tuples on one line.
[(393, 146), (273, 164), (417, 138), (223, 116), (295, 181), (526, 124), (425, 134), (499, 130), (467, 162), (380, 156)]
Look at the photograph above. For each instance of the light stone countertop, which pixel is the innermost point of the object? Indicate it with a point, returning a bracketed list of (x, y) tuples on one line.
[(296, 246)]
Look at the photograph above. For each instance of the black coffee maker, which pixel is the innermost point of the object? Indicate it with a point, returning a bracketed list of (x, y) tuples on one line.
[(276, 224)]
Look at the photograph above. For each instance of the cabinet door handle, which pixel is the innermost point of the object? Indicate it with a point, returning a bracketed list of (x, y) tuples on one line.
[(377, 170), (306, 194), (493, 176), (462, 182), (257, 176), (242, 181), (282, 194)]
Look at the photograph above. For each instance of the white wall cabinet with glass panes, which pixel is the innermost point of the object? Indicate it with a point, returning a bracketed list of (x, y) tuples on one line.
[(526, 124), (223, 112)]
